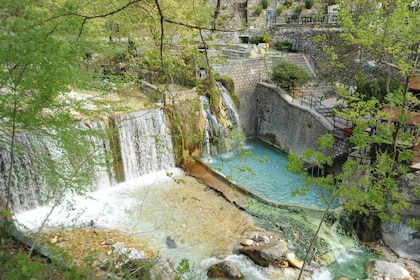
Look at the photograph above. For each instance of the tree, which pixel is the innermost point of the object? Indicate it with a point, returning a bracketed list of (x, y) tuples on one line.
[(387, 32), (391, 36), (287, 75), (38, 120), (316, 159)]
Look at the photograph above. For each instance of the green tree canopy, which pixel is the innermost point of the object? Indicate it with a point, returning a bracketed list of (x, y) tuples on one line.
[(288, 75)]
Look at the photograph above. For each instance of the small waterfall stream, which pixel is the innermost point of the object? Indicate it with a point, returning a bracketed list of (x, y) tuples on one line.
[(218, 137)]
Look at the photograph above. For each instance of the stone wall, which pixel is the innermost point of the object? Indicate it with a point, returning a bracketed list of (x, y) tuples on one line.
[(284, 122), (246, 74), (305, 36)]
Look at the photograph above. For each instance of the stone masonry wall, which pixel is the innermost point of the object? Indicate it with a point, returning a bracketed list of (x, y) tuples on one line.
[(285, 123), (246, 74), (305, 36)]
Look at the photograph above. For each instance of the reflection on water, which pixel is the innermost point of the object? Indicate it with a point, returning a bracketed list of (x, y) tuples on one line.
[(262, 170)]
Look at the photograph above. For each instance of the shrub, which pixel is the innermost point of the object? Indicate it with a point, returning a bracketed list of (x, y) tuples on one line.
[(280, 10), (299, 9), (288, 3), (258, 10), (256, 40), (264, 4), (283, 46), (309, 4), (287, 75)]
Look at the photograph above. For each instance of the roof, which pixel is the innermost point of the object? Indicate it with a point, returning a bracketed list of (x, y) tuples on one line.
[(392, 115), (414, 83)]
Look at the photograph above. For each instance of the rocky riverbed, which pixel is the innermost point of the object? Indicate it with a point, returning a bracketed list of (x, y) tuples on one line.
[(195, 217)]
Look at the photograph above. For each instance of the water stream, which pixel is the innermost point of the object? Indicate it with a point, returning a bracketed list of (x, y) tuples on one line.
[(137, 205)]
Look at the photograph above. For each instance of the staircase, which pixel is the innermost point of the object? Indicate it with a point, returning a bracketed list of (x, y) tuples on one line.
[(299, 59), (325, 107)]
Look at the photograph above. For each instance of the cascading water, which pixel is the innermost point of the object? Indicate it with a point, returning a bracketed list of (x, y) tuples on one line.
[(40, 168), (28, 187), (103, 174), (219, 137), (146, 145)]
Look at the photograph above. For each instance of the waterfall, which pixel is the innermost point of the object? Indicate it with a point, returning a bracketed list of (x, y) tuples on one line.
[(219, 137), (41, 170), (103, 175), (144, 142), (28, 185), (215, 132), (146, 145), (229, 106)]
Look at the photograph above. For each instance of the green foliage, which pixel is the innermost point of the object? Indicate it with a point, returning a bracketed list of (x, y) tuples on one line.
[(280, 9), (258, 10), (309, 4), (264, 4), (375, 87), (266, 38), (288, 3), (256, 40), (20, 266), (184, 271), (283, 46), (288, 75), (299, 9)]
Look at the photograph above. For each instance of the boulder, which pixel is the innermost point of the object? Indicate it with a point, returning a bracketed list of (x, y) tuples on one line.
[(261, 239), (224, 269), (247, 242), (267, 254), (293, 261), (388, 270), (162, 271)]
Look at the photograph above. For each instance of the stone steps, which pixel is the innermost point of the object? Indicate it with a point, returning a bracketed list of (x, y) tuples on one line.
[(301, 61)]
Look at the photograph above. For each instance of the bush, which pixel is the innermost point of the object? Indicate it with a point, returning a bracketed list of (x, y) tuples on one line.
[(299, 9), (287, 75), (258, 10), (264, 4), (283, 46), (280, 10), (288, 3), (309, 4), (256, 40)]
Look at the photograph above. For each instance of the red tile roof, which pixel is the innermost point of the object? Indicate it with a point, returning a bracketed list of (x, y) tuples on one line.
[(392, 114), (414, 83)]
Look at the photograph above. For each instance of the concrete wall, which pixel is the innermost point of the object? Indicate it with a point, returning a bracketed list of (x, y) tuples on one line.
[(284, 122)]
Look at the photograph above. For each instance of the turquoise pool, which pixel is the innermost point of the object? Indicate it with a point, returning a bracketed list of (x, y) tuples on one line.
[(262, 170)]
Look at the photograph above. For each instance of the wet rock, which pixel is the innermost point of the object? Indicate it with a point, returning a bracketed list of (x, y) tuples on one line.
[(267, 254), (120, 250), (293, 261), (224, 269), (170, 242), (162, 271), (247, 242), (261, 239), (388, 270)]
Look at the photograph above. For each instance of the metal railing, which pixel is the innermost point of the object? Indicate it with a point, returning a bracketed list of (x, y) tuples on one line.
[(315, 103)]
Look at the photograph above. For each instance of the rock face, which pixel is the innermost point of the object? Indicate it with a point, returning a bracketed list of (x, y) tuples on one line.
[(405, 241), (224, 269), (267, 254), (388, 270)]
